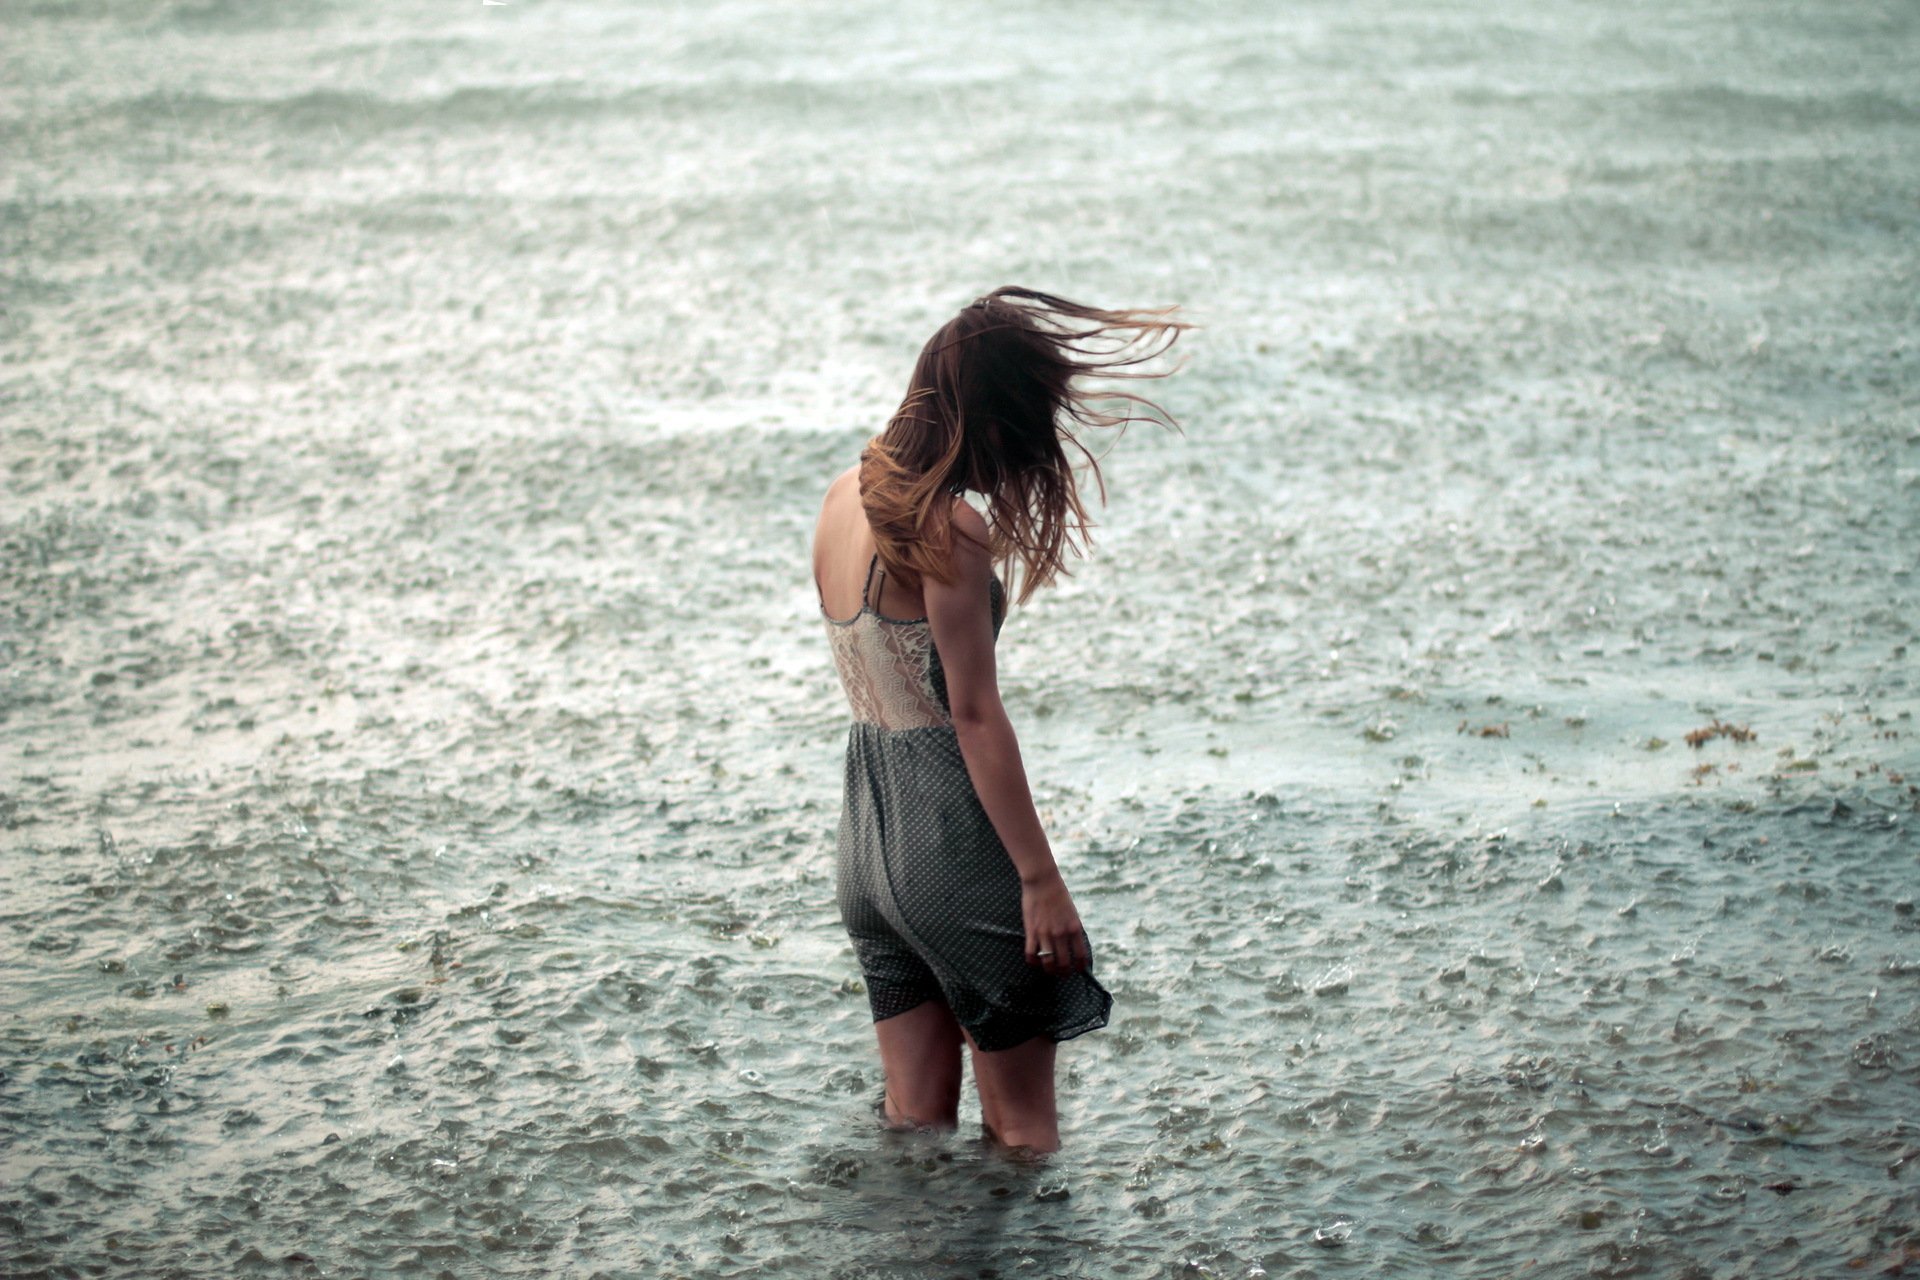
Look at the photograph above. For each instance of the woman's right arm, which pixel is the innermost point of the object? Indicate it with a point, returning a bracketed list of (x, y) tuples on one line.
[(962, 622)]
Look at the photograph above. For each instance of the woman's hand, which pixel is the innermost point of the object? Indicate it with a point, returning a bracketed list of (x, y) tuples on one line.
[(1055, 940)]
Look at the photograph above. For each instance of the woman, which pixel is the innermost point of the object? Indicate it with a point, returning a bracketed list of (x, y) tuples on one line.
[(963, 927)]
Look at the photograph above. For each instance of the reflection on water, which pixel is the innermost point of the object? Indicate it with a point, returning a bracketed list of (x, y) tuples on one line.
[(420, 761)]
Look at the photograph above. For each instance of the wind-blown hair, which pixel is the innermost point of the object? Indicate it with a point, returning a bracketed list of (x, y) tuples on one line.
[(994, 408)]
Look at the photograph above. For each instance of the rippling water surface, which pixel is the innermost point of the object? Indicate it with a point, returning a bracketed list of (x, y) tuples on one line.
[(418, 748)]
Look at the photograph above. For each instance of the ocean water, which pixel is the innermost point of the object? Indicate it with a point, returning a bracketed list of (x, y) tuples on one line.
[(419, 754)]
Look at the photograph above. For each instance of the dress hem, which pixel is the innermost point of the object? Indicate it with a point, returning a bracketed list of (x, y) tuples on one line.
[(1059, 1035)]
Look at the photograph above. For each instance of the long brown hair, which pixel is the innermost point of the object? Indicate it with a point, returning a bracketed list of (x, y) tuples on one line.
[(994, 408)]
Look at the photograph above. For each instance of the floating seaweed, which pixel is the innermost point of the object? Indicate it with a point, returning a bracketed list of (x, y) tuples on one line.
[(1720, 729)]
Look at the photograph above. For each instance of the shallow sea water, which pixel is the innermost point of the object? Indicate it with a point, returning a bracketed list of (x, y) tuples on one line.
[(419, 751)]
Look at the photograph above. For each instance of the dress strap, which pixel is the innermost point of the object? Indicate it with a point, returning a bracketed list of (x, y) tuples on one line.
[(866, 589)]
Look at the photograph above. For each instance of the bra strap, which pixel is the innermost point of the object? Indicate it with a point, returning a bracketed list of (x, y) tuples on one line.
[(867, 589)]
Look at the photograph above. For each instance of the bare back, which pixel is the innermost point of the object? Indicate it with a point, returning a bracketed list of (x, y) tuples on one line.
[(843, 549)]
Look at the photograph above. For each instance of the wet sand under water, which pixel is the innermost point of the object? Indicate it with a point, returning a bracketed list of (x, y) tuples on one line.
[(419, 751)]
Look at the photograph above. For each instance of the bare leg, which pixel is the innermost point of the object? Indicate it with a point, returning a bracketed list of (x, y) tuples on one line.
[(920, 1053), (1016, 1094)]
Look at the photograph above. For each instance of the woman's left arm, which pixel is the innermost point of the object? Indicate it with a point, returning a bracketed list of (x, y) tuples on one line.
[(963, 632)]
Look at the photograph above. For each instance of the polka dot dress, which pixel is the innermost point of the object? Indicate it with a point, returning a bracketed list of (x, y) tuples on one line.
[(926, 889)]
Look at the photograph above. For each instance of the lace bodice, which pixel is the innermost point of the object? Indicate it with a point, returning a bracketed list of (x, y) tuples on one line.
[(890, 667)]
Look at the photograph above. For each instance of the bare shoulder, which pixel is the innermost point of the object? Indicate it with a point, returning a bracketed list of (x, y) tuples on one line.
[(848, 479), (837, 508), (966, 553), (971, 525), (841, 499)]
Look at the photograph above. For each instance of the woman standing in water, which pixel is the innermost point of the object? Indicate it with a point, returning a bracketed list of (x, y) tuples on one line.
[(964, 929)]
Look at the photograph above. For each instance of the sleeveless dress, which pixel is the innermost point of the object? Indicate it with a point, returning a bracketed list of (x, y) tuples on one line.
[(926, 889)]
